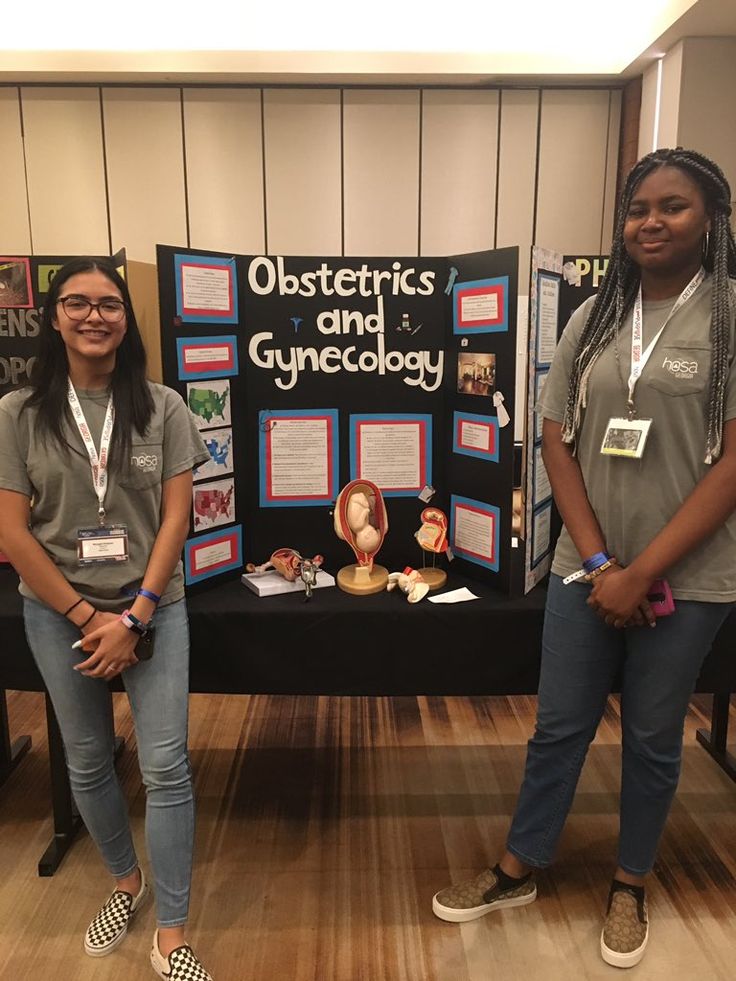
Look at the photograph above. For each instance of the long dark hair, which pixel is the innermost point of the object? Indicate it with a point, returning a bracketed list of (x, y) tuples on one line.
[(131, 395), (621, 284)]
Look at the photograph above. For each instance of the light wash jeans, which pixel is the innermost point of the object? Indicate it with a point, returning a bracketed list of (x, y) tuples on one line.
[(581, 657), (158, 691)]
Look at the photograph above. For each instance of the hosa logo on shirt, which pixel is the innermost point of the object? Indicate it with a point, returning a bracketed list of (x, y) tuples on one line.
[(144, 461), (681, 368)]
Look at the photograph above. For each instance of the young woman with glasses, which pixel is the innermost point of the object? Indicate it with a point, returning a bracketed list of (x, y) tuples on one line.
[(95, 500)]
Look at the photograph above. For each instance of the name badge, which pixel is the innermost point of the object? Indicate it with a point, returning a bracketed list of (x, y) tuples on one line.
[(102, 545), (626, 437)]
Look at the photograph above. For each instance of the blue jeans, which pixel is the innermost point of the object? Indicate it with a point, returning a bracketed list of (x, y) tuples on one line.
[(158, 691), (581, 658)]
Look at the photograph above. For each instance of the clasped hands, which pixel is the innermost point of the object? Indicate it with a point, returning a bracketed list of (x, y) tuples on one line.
[(619, 597), (112, 647)]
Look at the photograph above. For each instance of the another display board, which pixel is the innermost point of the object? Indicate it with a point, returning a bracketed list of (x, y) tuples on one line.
[(305, 373)]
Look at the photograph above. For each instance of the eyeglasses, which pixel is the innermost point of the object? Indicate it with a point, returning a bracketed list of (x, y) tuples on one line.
[(79, 308)]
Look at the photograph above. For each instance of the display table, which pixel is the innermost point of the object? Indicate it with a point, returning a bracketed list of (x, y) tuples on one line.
[(338, 644)]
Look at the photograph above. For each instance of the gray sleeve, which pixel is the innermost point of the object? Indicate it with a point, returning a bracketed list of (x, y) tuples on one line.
[(553, 397), (183, 446), (13, 471)]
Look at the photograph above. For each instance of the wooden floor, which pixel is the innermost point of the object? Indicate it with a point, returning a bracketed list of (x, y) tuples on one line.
[(326, 824)]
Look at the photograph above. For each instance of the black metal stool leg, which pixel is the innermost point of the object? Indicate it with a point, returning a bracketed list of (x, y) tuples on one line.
[(11, 753), (715, 739)]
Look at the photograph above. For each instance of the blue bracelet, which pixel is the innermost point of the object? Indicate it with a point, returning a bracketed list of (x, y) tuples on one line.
[(149, 595), (595, 561)]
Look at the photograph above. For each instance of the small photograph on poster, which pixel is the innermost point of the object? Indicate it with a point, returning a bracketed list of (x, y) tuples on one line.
[(209, 403), (481, 306), (298, 457), (474, 531), (15, 283), (219, 443), (476, 373), (44, 274), (207, 357), (206, 289), (541, 487), (541, 530), (474, 435), (548, 308), (209, 555), (539, 379), (213, 504), (393, 450)]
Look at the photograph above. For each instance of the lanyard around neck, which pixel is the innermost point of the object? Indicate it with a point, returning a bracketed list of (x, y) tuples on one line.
[(98, 463), (639, 358)]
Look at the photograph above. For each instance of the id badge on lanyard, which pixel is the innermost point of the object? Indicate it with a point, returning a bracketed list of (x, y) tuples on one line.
[(627, 437), (105, 543)]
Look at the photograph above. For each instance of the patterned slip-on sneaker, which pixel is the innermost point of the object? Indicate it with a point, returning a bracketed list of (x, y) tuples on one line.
[(478, 896), (626, 930), (182, 964), (109, 927)]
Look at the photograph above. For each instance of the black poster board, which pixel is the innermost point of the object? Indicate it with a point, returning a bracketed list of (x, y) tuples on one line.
[(358, 341)]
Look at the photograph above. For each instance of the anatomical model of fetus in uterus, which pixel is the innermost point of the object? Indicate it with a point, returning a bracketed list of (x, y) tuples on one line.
[(362, 522)]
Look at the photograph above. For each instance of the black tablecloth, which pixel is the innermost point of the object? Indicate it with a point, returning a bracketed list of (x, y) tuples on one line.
[(342, 644)]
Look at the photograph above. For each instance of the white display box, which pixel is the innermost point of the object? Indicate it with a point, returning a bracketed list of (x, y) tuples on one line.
[(272, 584)]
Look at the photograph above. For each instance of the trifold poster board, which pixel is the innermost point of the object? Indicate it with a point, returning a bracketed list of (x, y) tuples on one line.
[(307, 372), (559, 285)]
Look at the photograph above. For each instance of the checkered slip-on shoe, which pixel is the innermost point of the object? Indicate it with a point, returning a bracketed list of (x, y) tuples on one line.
[(109, 927), (182, 964), (476, 897), (626, 930)]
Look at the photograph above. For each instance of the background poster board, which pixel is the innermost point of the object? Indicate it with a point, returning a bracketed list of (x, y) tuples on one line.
[(334, 345)]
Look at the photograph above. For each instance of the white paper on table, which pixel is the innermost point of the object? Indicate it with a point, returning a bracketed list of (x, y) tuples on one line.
[(461, 595)]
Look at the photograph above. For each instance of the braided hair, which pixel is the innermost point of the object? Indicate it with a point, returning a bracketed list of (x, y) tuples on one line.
[(621, 284)]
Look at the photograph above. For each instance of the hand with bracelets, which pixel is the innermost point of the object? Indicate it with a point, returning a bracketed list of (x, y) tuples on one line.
[(618, 596)]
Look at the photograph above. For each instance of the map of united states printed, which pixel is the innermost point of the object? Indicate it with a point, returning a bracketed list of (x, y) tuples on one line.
[(208, 403)]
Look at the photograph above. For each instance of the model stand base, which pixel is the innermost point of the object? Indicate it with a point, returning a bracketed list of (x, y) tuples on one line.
[(435, 578), (359, 581)]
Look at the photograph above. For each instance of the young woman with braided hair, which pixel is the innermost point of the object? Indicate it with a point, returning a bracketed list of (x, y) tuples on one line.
[(639, 440)]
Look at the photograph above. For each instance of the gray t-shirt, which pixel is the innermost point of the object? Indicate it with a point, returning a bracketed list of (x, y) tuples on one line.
[(64, 499), (634, 499)]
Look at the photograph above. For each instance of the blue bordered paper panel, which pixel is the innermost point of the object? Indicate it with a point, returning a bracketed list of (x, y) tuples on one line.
[(268, 421), (212, 554), (541, 532), (490, 558), (360, 428), (472, 445), (207, 357), (481, 306), (206, 289)]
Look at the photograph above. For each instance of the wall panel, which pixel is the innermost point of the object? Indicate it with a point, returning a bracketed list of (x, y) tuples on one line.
[(302, 165), (15, 232), (65, 169), (224, 167), (459, 148), (572, 169), (516, 176), (381, 167), (145, 166)]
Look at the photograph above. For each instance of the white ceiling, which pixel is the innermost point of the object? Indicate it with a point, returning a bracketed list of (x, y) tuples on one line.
[(339, 41)]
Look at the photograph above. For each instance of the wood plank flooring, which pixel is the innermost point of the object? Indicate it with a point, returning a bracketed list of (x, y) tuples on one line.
[(326, 824)]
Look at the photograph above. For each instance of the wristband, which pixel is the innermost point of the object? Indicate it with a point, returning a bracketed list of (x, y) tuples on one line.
[(133, 623), (595, 561), (83, 625), (149, 595), (73, 606), (601, 568)]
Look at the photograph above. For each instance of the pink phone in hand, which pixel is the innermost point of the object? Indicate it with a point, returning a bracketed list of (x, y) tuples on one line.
[(660, 598)]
